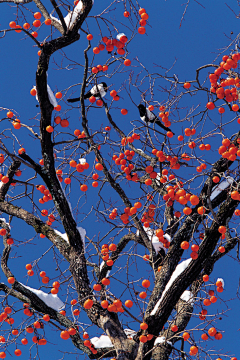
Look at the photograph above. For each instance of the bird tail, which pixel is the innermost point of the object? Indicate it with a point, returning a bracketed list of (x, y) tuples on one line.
[(73, 100), (162, 126), (87, 95)]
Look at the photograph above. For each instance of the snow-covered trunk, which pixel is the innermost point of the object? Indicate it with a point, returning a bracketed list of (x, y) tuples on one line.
[(124, 347)]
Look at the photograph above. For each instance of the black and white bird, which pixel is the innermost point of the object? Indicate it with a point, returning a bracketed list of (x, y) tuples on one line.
[(148, 116), (98, 91)]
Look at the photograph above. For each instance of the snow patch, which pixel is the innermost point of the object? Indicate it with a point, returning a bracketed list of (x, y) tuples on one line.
[(118, 37), (82, 161), (69, 204), (130, 333), (2, 219), (50, 300), (104, 341), (71, 16), (222, 281), (101, 266), (64, 236), (81, 231), (168, 237), (179, 269), (101, 342), (220, 187), (157, 245), (51, 96), (161, 340), (54, 18), (188, 297)]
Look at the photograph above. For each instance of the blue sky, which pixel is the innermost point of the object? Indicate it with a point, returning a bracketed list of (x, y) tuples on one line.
[(206, 31)]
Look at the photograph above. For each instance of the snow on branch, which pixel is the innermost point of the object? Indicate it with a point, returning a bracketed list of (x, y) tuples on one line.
[(81, 231), (220, 187), (64, 236), (72, 15), (188, 297), (104, 341), (222, 281), (101, 266), (5, 222), (50, 300), (101, 342), (161, 340), (179, 269), (51, 96), (157, 245)]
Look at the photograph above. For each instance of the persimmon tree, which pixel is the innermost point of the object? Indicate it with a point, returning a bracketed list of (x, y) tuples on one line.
[(162, 204)]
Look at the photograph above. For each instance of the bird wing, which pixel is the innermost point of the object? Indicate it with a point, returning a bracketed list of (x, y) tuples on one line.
[(94, 90), (151, 116)]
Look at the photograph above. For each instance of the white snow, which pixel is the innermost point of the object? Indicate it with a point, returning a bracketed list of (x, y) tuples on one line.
[(70, 206), (51, 96), (118, 37), (64, 236), (82, 233), (101, 266), (104, 341), (179, 269), (220, 187), (71, 16), (157, 245), (159, 177), (50, 300), (82, 161), (161, 340), (188, 297), (53, 18), (168, 237), (222, 281), (101, 342), (4, 220), (129, 332)]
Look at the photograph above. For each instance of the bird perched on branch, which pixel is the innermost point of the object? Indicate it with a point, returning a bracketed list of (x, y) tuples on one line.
[(98, 91), (148, 116)]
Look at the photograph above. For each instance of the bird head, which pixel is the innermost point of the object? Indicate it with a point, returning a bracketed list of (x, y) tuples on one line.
[(104, 86), (141, 107)]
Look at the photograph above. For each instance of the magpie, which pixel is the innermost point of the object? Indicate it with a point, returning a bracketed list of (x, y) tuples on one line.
[(147, 116), (99, 91)]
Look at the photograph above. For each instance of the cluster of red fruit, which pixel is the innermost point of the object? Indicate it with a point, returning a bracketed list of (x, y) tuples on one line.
[(16, 123), (122, 158), (129, 139), (46, 194), (229, 94), (228, 150), (162, 158), (45, 279), (26, 26), (88, 343), (105, 253), (194, 254), (143, 21)]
